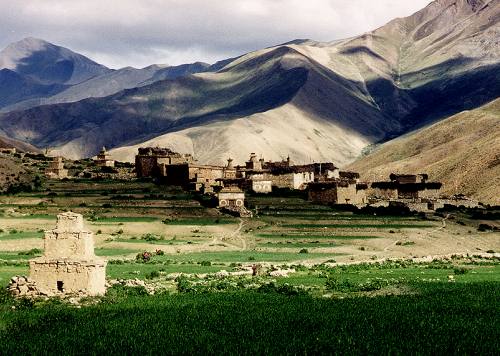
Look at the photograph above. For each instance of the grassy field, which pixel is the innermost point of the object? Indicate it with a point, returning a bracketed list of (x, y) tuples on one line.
[(437, 319), (382, 307)]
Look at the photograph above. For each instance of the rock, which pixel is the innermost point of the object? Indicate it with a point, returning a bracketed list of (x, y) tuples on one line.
[(222, 274), (23, 289)]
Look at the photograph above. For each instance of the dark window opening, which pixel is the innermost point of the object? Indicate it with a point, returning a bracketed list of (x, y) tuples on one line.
[(60, 285)]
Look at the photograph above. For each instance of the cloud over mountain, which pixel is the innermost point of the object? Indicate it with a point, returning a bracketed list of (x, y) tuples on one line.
[(119, 33)]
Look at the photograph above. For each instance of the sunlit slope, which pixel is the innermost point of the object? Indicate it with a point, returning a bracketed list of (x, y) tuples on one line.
[(462, 151), (313, 100)]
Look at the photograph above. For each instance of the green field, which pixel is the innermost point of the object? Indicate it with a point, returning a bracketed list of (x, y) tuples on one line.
[(437, 319), (305, 235), (14, 234), (358, 226)]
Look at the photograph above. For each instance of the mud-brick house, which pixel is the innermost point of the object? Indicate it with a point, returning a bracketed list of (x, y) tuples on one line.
[(292, 177), (229, 197), (338, 191), (406, 186), (151, 161)]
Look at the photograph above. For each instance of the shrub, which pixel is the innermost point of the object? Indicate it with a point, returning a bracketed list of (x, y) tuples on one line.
[(32, 252), (304, 250), (151, 237), (460, 270), (152, 275), (143, 257), (205, 263)]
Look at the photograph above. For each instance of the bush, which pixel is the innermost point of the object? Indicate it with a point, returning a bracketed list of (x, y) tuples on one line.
[(205, 263), (152, 275), (486, 227), (143, 257), (152, 237), (32, 252), (304, 250), (460, 270)]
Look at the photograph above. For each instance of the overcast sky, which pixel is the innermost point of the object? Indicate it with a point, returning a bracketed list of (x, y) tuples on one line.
[(137, 33)]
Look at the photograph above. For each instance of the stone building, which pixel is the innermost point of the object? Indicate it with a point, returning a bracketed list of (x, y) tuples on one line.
[(254, 164), (195, 176), (56, 169), (293, 177), (406, 186), (8, 150), (68, 266), (231, 197), (103, 159), (338, 191), (151, 161)]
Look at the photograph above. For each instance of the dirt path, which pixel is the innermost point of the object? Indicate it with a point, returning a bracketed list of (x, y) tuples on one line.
[(427, 234), (443, 226)]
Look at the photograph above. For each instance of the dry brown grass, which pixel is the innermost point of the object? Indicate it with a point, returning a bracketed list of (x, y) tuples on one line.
[(462, 151)]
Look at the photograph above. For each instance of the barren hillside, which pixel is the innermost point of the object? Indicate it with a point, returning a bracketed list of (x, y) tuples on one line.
[(13, 173), (314, 101), (462, 151)]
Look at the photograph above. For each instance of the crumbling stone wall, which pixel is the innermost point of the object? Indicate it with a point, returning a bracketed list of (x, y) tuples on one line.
[(69, 277), (68, 265)]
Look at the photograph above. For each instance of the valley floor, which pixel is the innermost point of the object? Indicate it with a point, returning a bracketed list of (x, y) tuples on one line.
[(328, 281)]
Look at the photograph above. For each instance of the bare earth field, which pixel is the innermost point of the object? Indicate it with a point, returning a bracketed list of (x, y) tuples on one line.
[(128, 218)]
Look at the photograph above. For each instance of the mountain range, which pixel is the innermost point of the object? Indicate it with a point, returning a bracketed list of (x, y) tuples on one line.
[(327, 101)]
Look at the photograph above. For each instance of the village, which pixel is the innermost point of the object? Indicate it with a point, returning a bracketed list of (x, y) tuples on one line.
[(268, 209), (324, 182)]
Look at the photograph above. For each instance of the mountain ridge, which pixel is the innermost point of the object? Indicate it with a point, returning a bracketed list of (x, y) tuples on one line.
[(366, 89)]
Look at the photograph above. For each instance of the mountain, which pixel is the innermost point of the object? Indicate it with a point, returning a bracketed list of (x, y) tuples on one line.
[(312, 100), (33, 68), (462, 151), (34, 72), (112, 82), (47, 63)]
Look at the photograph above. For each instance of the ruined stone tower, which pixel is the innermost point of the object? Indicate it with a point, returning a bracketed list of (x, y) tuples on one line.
[(69, 265)]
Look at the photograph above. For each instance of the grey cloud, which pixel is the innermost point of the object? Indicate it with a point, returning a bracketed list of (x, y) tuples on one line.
[(142, 32)]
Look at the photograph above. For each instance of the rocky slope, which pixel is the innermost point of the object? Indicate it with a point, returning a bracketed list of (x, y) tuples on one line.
[(14, 174), (462, 151), (6, 142), (315, 101)]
